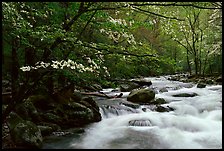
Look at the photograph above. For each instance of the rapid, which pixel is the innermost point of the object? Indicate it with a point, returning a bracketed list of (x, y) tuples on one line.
[(195, 122)]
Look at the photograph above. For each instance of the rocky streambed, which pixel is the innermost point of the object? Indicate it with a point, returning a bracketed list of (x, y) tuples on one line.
[(165, 114)]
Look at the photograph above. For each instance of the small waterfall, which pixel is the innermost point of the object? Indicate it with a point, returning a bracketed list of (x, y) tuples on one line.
[(108, 111), (140, 123), (196, 122)]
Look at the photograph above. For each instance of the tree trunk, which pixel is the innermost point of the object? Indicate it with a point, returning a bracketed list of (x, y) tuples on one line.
[(188, 62), (14, 68), (196, 65)]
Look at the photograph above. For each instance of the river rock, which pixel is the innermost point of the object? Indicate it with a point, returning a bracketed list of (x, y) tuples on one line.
[(128, 87), (140, 123), (141, 96), (163, 90), (132, 105), (159, 101), (25, 134), (75, 112), (219, 79), (116, 109), (142, 82), (201, 85), (160, 108), (209, 81), (185, 95)]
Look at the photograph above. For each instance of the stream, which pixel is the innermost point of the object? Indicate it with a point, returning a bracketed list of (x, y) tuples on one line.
[(195, 122)]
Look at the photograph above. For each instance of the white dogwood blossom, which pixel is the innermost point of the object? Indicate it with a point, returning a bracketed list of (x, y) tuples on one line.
[(70, 64)]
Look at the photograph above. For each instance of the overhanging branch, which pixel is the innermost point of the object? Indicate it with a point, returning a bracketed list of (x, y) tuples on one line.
[(159, 15)]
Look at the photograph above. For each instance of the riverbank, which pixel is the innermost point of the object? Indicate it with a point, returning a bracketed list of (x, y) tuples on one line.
[(8, 143)]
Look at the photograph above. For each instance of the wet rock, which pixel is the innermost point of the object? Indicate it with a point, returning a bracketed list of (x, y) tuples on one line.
[(163, 109), (78, 111), (163, 90), (134, 106), (115, 90), (219, 79), (141, 96), (201, 85), (92, 105), (128, 87), (140, 123), (116, 109), (142, 82), (209, 81), (185, 95), (159, 101)]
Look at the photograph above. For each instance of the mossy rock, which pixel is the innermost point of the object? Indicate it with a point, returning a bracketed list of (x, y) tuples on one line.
[(159, 101), (26, 134), (141, 96)]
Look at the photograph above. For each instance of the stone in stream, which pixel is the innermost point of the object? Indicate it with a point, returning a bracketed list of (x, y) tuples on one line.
[(128, 87), (160, 108), (140, 123), (219, 79), (141, 96), (132, 105), (201, 85), (163, 90), (159, 101), (142, 82), (185, 95)]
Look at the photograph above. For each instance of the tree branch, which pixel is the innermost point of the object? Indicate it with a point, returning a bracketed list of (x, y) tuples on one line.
[(80, 34), (145, 11), (178, 5)]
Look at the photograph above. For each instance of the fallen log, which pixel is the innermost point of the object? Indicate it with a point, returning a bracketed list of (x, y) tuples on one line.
[(101, 94)]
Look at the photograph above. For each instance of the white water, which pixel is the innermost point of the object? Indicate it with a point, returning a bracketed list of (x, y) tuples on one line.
[(196, 122)]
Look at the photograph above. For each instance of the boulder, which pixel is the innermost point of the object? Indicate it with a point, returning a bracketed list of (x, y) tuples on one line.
[(142, 82), (25, 134), (45, 130), (74, 114), (28, 111), (201, 85), (128, 87), (209, 81), (219, 79), (141, 96)]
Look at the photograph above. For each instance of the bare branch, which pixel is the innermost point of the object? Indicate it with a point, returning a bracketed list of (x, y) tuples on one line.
[(145, 11), (178, 5)]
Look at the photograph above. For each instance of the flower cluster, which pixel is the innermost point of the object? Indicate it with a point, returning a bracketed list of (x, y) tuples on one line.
[(63, 64), (115, 36), (117, 21)]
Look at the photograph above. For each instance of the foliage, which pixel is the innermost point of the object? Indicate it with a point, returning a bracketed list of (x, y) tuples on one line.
[(125, 39)]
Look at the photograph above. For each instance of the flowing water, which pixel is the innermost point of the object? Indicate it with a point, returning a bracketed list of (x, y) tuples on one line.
[(195, 122)]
